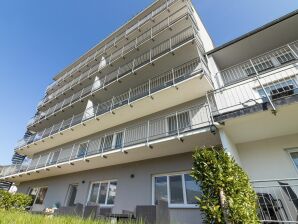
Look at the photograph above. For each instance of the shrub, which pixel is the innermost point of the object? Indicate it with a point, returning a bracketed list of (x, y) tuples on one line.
[(14, 201), (227, 195)]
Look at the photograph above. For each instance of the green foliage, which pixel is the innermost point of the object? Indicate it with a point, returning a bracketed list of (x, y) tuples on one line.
[(21, 217), (215, 170), (16, 201)]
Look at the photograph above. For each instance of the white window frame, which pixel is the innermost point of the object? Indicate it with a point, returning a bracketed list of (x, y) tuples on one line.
[(107, 194), (278, 82), (177, 124), (37, 193), (289, 151), (77, 153), (170, 205), (68, 193)]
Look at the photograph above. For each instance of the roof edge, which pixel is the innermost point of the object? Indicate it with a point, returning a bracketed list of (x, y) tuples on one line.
[(250, 33)]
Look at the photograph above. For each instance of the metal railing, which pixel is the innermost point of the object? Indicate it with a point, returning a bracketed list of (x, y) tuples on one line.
[(260, 89), (256, 91), (270, 60), (134, 65), (174, 124), (159, 82), (134, 44), (277, 200), (114, 42)]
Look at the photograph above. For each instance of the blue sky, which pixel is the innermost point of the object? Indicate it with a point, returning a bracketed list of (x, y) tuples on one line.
[(39, 38)]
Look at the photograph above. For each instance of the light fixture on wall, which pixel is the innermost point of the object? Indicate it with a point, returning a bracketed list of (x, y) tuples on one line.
[(213, 129)]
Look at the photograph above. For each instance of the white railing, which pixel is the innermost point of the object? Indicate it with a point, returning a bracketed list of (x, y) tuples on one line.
[(113, 42), (134, 65), (260, 92), (134, 44), (277, 200), (174, 124), (270, 60), (159, 82)]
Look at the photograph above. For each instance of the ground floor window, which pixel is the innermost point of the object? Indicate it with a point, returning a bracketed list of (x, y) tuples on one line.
[(103, 192), (178, 189), (38, 194), (71, 195), (294, 156)]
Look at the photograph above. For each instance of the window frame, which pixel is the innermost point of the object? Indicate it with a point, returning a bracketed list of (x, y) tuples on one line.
[(79, 145), (107, 193), (37, 193), (177, 123), (66, 203), (289, 151), (171, 205)]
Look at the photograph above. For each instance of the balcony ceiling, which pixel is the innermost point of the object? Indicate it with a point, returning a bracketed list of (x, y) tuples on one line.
[(272, 35)]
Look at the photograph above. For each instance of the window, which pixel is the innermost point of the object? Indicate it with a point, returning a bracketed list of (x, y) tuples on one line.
[(294, 156), (259, 66), (38, 194), (179, 190), (103, 193), (54, 157), (183, 122), (118, 140), (106, 142), (72, 193), (280, 89), (285, 57), (82, 150)]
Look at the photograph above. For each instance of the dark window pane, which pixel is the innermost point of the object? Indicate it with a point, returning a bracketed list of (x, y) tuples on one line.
[(102, 193), (94, 192), (112, 193), (176, 189), (161, 192), (294, 156), (192, 189), (72, 195), (41, 195)]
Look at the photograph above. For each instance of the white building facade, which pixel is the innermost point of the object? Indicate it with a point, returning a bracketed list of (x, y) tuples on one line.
[(118, 126)]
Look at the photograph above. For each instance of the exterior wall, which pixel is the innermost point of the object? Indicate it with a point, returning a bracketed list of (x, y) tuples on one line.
[(268, 158), (130, 191)]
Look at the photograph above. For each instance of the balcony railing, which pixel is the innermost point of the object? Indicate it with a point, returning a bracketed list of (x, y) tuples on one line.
[(261, 89), (277, 200), (174, 124), (259, 64), (153, 54), (114, 42), (159, 82), (134, 44)]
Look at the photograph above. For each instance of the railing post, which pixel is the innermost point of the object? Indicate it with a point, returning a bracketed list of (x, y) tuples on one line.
[(37, 162), (148, 131), (129, 94), (103, 145), (209, 107), (173, 77), (47, 161), (177, 125), (149, 87), (289, 46), (123, 140), (112, 104), (70, 124), (261, 84)]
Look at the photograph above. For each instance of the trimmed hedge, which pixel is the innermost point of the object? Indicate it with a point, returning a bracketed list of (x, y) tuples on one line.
[(16, 201), (227, 195)]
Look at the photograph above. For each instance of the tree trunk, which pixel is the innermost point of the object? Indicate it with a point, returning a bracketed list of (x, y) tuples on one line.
[(222, 200)]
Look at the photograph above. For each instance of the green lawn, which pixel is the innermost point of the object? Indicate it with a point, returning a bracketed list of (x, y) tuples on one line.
[(15, 217)]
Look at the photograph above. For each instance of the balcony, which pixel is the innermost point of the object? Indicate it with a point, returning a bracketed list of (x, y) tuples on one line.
[(160, 28), (178, 85), (264, 84), (136, 65), (112, 48), (277, 200), (148, 139)]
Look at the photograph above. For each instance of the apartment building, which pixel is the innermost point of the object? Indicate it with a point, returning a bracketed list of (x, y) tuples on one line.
[(119, 125)]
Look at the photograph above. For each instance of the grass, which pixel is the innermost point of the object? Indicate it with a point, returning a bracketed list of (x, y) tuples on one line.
[(17, 217)]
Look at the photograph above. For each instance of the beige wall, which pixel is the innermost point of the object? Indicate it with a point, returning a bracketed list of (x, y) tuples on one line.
[(268, 159)]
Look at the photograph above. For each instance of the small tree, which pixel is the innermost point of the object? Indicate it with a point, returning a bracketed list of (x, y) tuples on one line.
[(227, 195), (16, 201)]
